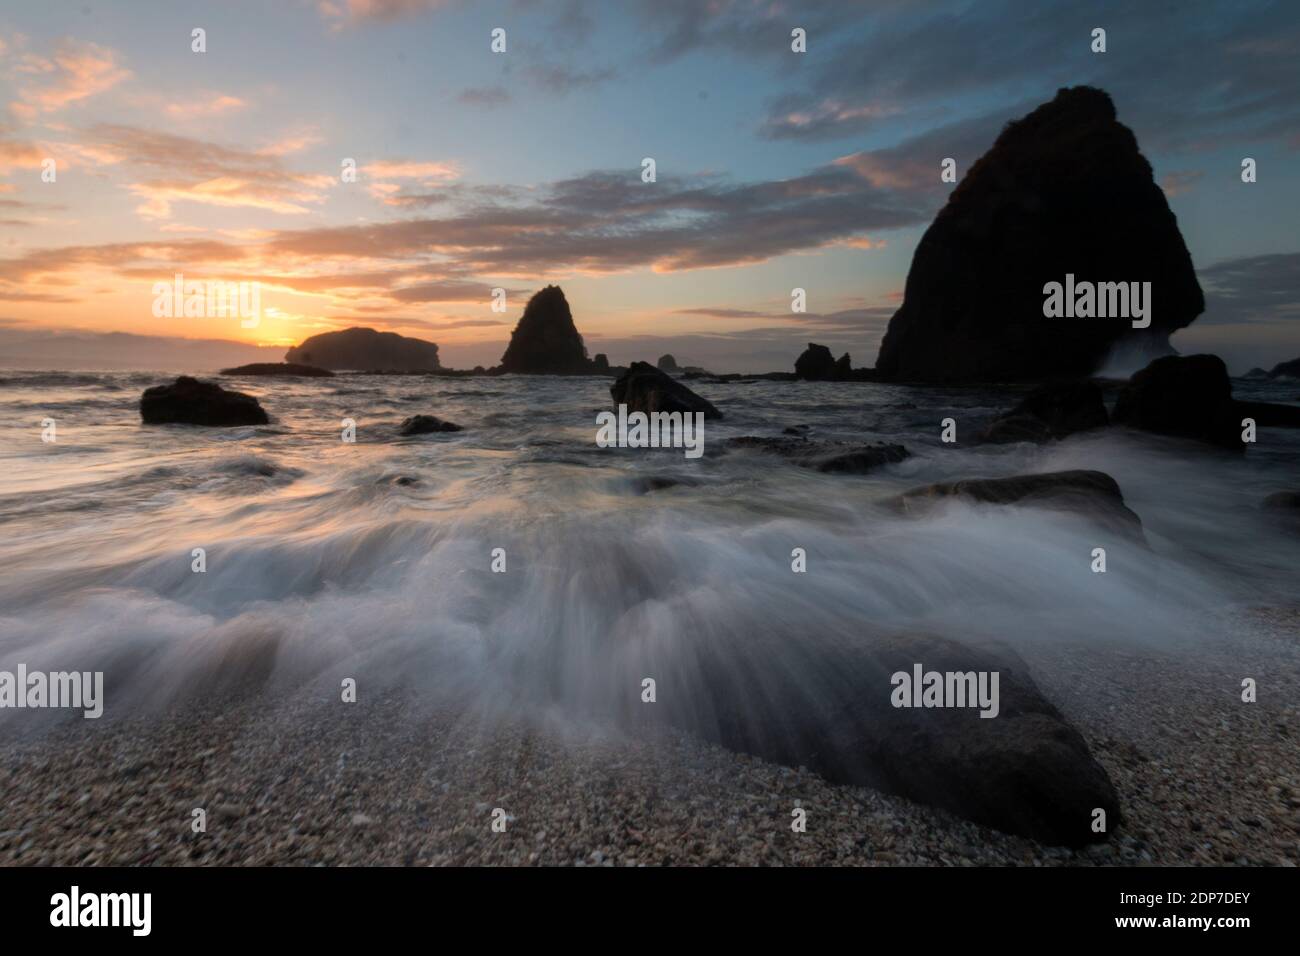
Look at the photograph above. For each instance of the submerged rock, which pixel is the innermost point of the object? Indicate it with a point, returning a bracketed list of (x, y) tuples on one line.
[(279, 368), (644, 388), (1051, 411), (826, 456), (1092, 493), (546, 342), (1062, 191), (189, 401), (426, 424), (361, 349)]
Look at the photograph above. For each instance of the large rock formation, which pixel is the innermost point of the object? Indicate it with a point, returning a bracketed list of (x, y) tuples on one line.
[(667, 363), (366, 350), (1289, 369), (546, 342), (1063, 191), (187, 401), (643, 388)]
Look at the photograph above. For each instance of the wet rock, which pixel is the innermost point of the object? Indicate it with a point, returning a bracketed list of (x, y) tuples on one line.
[(279, 368), (192, 402), (426, 424), (644, 388), (363, 349), (829, 457), (1051, 411), (1025, 771), (1062, 191), (1092, 493), (1189, 396)]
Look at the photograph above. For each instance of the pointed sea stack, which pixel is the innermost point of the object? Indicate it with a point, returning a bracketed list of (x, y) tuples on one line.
[(1064, 190), (546, 342)]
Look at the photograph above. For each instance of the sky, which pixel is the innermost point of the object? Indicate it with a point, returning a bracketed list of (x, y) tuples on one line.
[(479, 170)]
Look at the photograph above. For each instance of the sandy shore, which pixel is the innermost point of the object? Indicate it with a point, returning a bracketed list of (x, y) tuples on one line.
[(1203, 779)]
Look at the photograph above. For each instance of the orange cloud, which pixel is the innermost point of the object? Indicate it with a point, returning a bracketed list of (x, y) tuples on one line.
[(75, 72)]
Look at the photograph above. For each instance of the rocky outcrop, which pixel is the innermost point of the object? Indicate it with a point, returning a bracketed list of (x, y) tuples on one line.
[(187, 401), (279, 368), (666, 363), (1093, 494), (600, 363), (643, 388), (816, 364), (1289, 369), (1051, 412), (426, 424), (1063, 191), (825, 456), (1024, 771), (546, 342), (1188, 396), (363, 349)]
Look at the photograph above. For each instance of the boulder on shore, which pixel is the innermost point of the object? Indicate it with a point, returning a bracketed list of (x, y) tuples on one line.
[(426, 424), (1051, 411), (643, 388), (188, 401), (279, 368), (361, 349), (1024, 771), (546, 342), (1063, 191)]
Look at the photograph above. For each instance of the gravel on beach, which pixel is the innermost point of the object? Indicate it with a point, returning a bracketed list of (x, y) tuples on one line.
[(1203, 778)]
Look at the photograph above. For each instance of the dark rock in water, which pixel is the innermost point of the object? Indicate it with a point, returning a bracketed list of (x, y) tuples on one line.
[(1284, 501), (426, 424), (600, 363), (1051, 411), (188, 401), (829, 457), (643, 388), (1024, 771), (1092, 493), (1184, 395), (800, 430), (279, 368), (644, 485), (1063, 191), (1256, 373), (843, 367), (816, 364), (546, 342), (666, 363), (361, 349), (1289, 369)]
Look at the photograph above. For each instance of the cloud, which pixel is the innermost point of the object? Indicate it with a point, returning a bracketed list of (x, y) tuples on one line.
[(485, 97), (213, 104), (360, 11), (1180, 182), (75, 72), (1252, 289)]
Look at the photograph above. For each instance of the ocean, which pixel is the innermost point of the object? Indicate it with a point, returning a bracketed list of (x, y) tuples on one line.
[(374, 560)]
